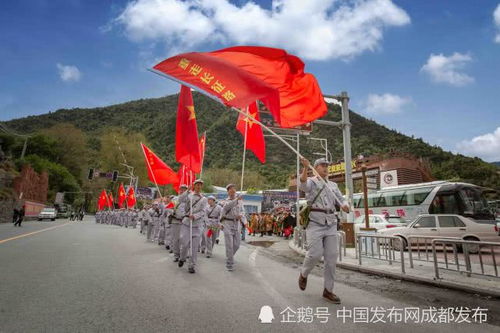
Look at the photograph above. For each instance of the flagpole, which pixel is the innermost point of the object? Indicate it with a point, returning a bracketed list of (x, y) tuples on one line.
[(191, 226), (244, 153), (203, 161), (149, 167)]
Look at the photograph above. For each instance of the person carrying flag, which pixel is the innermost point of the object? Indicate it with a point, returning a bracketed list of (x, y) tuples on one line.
[(176, 220), (321, 232), (194, 215)]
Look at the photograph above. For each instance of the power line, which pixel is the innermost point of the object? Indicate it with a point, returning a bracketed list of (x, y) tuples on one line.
[(5, 129)]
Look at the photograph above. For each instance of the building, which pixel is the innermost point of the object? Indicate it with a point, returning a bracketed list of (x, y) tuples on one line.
[(385, 170)]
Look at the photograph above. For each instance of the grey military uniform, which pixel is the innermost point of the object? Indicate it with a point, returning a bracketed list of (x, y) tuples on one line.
[(213, 214), (321, 233), (149, 217), (175, 227), (232, 212), (194, 205)]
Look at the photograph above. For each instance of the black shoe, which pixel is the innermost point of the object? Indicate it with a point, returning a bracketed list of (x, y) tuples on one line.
[(202, 251), (176, 259), (167, 247), (191, 270), (170, 251), (181, 263), (216, 241)]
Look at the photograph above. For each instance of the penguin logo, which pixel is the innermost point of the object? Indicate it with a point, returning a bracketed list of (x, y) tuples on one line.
[(266, 315)]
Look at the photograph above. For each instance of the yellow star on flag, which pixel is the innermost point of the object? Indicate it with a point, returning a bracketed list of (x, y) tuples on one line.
[(192, 115), (249, 121)]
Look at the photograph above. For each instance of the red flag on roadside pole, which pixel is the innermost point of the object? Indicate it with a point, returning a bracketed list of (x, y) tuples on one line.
[(187, 148), (131, 200), (158, 171), (122, 196), (252, 133)]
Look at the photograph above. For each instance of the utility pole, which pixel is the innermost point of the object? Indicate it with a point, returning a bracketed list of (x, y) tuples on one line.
[(24, 147), (345, 125)]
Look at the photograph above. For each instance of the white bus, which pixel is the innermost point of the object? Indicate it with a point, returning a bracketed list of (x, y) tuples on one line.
[(439, 197)]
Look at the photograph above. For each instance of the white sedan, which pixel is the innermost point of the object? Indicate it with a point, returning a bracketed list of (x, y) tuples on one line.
[(47, 213), (378, 222), (446, 225)]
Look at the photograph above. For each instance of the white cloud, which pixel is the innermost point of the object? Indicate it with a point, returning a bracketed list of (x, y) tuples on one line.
[(485, 146), (386, 104), (445, 69), (69, 73), (496, 19), (312, 29)]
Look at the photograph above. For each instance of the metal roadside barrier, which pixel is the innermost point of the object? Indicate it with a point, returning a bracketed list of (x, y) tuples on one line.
[(425, 248), (380, 247), (466, 247)]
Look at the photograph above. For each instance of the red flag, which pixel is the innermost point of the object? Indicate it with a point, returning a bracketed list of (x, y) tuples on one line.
[(255, 137), (102, 202), (238, 76), (131, 200), (203, 142), (158, 171), (122, 196), (111, 202), (187, 148), (185, 177)]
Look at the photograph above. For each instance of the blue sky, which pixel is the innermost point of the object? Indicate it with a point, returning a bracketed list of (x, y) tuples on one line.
[(426, 68)]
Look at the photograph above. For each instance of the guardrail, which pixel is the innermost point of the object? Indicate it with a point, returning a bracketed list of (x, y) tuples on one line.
[(465, 245), (385, 249), (300, 240), (427, 246)]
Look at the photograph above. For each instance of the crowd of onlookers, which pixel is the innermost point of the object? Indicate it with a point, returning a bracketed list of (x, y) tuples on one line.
[(279, 224)]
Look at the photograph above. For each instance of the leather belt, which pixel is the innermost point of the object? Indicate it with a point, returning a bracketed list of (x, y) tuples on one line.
[(326, 211)]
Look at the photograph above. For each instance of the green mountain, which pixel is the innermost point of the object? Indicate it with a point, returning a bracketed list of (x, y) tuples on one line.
[(156, 120)]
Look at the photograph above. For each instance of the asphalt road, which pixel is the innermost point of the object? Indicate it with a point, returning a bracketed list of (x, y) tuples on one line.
[(87, 277)]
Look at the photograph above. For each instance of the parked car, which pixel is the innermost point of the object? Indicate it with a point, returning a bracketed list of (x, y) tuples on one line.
[(447, 225), (47, 213), (379, 222)]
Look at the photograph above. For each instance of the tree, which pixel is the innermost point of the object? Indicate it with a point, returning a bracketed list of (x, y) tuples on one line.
[(71, 147)]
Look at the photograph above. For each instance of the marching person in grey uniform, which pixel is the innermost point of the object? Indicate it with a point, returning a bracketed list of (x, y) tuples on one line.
[(161, 222), (232, 214), (167, 212), (150, 223), (142, 219), (321, 232), (194, 215), (212, 221), (176, 220), (156, 222)]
